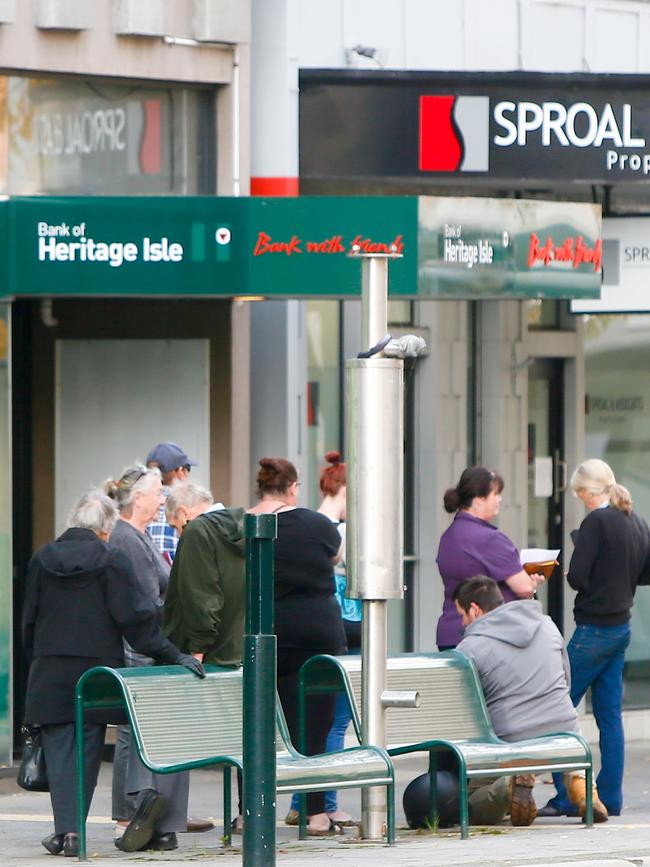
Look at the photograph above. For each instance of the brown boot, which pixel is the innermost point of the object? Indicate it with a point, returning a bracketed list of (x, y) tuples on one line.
[(523, 809), (576, 787)]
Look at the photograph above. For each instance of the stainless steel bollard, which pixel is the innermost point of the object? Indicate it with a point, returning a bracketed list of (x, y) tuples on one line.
[(375, 488), (375, 510)]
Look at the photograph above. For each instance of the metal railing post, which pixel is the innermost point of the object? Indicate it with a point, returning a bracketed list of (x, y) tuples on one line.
[(259, 696)]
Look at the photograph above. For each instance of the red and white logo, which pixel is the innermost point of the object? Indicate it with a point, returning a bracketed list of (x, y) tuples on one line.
[(454, 133)]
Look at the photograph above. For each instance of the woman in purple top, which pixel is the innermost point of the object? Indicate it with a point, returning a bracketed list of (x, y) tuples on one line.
[(471, 546)]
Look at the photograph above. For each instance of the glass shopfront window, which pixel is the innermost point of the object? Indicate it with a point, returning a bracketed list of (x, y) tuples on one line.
[(618, 431), (323, 389), (85, 136)]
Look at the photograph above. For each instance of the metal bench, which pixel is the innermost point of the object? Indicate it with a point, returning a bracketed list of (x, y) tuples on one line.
[(181, 722), (451, 716)]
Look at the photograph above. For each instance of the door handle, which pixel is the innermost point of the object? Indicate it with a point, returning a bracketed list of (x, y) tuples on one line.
[(561, 476)]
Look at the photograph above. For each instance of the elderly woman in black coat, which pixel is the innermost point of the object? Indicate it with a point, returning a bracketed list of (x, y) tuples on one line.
[(81, 600)]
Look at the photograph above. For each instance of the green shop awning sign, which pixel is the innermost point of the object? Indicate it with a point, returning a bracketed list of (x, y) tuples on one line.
[(463, 248)]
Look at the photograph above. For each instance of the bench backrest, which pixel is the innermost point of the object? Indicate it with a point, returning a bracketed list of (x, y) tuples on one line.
[(177, 718), (452, 706)]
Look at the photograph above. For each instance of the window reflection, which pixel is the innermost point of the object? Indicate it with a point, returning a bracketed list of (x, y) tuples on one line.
[(617, 430), (323, 389), (82, 137)]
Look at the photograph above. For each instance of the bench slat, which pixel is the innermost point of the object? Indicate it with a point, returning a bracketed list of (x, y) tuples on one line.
[(447, 706), (200, 719), (354, 766)]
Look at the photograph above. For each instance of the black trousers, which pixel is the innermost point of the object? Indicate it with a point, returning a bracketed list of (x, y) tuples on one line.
[(319, 713), (61, 762)]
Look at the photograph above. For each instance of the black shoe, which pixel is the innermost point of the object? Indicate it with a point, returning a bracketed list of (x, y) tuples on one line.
[(141, 827), (54, 843), (551, 812), (71, 846), (163, 842)]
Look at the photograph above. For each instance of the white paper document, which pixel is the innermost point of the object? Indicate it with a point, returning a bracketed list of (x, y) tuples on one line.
[(538, 555)]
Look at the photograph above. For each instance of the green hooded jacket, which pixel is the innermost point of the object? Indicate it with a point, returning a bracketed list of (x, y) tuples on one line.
[(206, 597)]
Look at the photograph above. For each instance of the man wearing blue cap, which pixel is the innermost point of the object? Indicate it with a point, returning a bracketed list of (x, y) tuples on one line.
[(174, 465)]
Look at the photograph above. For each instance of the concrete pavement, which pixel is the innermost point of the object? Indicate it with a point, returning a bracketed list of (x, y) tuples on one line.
[(25, 818)]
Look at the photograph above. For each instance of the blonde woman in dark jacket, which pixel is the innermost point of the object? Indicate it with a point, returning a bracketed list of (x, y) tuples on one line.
[(609, 560)]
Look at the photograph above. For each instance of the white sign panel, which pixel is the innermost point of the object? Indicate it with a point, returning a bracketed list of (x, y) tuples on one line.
[(626, 268), (543, 484)]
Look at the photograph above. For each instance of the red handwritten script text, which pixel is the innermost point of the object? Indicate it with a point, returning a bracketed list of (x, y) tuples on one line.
[(334, 245), (572, 250)]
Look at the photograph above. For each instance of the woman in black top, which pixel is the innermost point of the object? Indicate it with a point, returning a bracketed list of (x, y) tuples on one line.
[(609, 560), (81, 600), (307, 615)]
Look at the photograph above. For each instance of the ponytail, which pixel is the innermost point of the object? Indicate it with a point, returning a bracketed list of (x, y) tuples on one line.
[(619, 498)]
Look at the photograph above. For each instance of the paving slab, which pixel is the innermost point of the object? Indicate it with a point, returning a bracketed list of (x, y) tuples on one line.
[(25, 818)]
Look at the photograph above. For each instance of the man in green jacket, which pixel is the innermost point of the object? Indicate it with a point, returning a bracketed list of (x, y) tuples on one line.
[(205, 603)]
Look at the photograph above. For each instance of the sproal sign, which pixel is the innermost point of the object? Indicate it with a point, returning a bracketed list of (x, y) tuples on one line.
[(478, 126)]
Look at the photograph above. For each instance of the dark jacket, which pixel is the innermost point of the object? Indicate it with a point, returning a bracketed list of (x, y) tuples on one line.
[(206, 597), (81, 599), (610, 559)]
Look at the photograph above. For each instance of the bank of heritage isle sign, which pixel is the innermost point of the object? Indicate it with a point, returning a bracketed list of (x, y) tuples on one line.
[(200, 246)]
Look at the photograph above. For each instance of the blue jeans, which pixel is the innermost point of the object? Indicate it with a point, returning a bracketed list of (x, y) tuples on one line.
[(597, 654), (335, 741)]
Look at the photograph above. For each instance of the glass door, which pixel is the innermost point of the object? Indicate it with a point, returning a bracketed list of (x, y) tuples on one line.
[(547, 471)]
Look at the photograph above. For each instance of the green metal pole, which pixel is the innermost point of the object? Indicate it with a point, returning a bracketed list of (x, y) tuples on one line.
[(259, 695)]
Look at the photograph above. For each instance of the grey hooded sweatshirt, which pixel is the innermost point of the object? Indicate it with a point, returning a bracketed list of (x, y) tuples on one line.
[(524, 670)]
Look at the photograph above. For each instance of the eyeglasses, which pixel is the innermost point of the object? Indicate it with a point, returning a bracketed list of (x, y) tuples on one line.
[(131, 478)]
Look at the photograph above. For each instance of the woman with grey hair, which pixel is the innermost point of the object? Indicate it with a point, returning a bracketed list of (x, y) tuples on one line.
[(149, 808), (610, 559), (81, 602), (138, 495)]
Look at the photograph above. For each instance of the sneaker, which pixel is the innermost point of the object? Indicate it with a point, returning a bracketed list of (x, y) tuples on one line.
[(576, 787), (550, 811), (523, 810)]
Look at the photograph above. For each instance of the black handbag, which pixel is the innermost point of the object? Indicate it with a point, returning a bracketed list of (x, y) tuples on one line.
[(32, 773)]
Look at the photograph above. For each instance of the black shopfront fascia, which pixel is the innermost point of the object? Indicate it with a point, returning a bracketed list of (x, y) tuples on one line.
[(474, 129)]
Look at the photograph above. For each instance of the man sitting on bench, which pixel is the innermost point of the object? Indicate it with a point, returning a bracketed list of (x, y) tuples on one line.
[(524, 670)]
